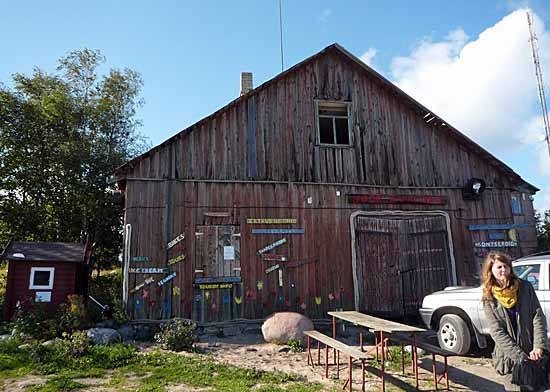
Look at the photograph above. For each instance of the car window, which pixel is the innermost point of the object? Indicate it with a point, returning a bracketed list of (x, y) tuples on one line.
[(529, 272)]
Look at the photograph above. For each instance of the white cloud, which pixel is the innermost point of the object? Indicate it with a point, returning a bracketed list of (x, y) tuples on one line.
[(368, 56), (325, 15), (542, 200), (485, 87)]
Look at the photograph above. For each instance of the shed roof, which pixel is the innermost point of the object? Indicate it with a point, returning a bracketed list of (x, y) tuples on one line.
[(427, 114), (44, 251)]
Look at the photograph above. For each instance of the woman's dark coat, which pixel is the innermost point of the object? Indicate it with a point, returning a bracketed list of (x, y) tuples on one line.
[(509, 346)]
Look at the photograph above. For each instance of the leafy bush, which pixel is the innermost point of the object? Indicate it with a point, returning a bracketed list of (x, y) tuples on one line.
[(74, 345), (35, 322), (110, 357), (295, 345), (178, 336), (107, 289), (72, 315)]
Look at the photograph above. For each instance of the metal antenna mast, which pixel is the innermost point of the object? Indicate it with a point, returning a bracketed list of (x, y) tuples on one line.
[(542, 96), (281, 29)]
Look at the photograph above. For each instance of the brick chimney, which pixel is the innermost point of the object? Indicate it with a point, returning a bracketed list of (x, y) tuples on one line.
[(246, 82)]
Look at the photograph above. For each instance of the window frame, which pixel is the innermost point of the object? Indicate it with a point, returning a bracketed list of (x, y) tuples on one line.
[(320, 103), (32, 286), (515, 198)]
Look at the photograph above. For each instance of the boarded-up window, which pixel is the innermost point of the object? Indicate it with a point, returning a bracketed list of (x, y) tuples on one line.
[(333, 123)]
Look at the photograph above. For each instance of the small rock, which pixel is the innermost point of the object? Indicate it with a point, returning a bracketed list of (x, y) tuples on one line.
[(48, 343), (104, 336), (25, 346), (213, 344), (251, 349), (419, 351), (4, 338), (284, 349)]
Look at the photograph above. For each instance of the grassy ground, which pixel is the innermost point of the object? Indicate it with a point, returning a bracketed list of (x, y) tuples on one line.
[(122, 368)]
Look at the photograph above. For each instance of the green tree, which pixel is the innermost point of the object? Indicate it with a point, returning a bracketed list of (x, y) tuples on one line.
[(543, 230), (61, 136)]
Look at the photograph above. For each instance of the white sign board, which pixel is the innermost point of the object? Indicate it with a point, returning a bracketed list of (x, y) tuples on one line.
[(43, 296), (229, 253)]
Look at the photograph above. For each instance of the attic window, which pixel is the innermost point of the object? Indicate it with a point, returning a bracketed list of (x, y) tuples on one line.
[(516, 205), (41, 278), (333, 123)]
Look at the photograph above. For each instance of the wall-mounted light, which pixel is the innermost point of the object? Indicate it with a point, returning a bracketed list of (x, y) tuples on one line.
[(473, 189)]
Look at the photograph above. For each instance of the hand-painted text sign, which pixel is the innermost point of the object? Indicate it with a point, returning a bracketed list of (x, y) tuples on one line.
[(272, 246), (148, 270), (496, 244), (140, 258), (215, 286), (505, 226), (270, 257), (176, 259), (147, 281), (277, 231), (166, 279), (175, 240), (397, 199), (219, 279), (272, 268), (271, 221)]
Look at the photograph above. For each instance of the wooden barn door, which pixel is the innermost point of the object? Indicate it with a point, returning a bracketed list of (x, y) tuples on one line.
[(399, 261), (424, 262), (217, 274), (378, 266)]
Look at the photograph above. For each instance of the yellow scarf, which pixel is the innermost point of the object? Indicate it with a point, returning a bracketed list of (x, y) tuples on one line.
[(506, 296)]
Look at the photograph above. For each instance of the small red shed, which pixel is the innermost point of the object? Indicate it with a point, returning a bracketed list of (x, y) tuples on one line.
[(44, 272)]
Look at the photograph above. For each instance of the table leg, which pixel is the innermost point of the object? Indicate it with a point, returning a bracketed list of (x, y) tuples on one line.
[(403, 358), (338, 365), (446, 374), (326, 360), (376, 345), (361, 338), (434, 370), (382, 354), (363, 375), (318, 353), (309, 349), (350, 371), (334, 333), (414, 356)]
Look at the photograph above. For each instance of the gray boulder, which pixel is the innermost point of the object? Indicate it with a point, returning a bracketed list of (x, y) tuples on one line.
[(4, 338), (126, 333), (104, 336), (280, 327)]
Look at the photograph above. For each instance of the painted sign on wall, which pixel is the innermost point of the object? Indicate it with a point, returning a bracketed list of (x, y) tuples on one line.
[(214, 286), (219, 279), (175, 240), (270, 257), (505, 226), (271, 221), (140, 258), (272, 268), (496, 244), (396, 199), (272, 246), (146, 282), (277, 231), (152, 270), (176, 259), (166, 279)]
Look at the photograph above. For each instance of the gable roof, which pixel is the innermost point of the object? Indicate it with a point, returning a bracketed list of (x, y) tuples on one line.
[(44, 251), (428, 115)]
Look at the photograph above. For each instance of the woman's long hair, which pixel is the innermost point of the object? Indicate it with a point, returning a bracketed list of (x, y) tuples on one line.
[(488, 280)]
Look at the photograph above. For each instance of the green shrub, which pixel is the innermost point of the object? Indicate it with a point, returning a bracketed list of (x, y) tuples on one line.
[(72, 315), (107, 289), (73, 345), (177, 336), (35, 322), (295, 345), (111, 357)]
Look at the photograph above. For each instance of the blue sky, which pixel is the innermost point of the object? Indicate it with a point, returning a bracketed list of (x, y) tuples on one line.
[(467, 60)]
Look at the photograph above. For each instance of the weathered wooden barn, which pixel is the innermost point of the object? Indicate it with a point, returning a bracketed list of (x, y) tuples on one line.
[(326, 187), (44, 272)]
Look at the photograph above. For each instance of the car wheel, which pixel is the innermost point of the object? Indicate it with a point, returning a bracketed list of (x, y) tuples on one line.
[(453, 334)]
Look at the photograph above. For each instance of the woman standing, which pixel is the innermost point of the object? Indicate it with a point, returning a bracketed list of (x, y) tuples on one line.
[(516, 321)]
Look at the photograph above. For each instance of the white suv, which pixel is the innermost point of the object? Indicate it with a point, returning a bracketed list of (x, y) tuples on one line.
[(456, 313)]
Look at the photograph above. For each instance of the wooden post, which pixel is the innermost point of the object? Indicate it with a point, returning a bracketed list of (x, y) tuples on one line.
[(326, 360), (434, 370), (350, 371), (309, 349), (446, 373)]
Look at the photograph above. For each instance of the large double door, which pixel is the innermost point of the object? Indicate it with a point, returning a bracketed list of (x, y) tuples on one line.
[(398, 261)]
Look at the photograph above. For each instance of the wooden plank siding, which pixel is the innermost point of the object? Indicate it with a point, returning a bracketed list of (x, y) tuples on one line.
[(393, 146), (259, 157), (326, 224)]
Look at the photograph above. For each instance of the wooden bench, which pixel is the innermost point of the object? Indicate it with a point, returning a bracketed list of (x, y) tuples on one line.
[(339, 347), (430, 349)]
